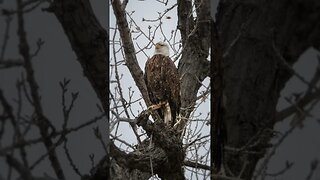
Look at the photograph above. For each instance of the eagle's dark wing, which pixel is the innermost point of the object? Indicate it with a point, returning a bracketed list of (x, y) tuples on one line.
[(172, 79), (163, 83)]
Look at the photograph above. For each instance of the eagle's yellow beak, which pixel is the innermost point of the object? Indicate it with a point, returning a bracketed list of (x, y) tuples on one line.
[(158, 46)]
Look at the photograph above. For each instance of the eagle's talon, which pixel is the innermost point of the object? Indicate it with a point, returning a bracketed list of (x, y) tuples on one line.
[(154, 107), (150, 108)]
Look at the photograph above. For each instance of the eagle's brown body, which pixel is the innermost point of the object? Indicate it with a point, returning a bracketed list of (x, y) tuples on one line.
[(163, 83)]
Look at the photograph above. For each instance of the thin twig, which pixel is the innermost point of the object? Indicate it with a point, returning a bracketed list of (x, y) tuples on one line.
[(42, 121), (74, 167), (6, 37)]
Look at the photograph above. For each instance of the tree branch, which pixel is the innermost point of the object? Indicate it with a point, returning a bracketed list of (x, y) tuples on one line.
[(42, 121), (129, 50), (89, 41), (305, 100), (193, 66), (23, 171), (197, 165)]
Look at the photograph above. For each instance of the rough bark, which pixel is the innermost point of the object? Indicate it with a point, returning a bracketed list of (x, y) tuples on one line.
[(165, 151), (217, 127), (193, 65), (253, 34)]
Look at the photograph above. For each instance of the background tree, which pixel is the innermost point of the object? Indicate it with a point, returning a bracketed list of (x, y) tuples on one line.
[(260, 42), (35, 136)]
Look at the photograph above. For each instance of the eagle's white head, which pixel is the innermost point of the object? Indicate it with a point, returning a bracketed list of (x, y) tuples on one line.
[(162, 48)]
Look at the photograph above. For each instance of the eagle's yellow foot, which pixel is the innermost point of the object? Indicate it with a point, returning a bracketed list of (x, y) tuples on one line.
[(154, 107)]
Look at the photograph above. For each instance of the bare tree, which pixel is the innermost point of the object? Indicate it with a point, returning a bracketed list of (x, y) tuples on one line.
[(161, 152), (26, 114), (260, 42)]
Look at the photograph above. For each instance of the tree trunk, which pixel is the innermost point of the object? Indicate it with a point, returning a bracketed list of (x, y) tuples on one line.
[(258, 39), (88, 40)]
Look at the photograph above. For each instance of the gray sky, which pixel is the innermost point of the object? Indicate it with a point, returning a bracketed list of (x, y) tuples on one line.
[(302, 146)]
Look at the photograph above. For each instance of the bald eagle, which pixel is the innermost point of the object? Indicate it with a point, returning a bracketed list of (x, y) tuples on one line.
[(163, 83)]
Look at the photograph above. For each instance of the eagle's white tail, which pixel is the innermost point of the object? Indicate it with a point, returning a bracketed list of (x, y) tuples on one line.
[(167, 114)]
